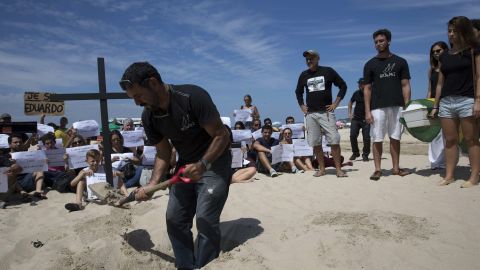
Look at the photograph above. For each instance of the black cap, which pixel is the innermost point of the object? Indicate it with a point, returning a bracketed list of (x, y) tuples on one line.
[(361, 80), (5, 115)]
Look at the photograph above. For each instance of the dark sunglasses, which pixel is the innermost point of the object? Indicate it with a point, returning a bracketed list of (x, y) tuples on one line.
[(437, 51), (125, 84)]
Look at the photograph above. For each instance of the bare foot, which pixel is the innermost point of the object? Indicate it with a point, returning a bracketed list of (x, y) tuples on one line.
[(468, 184), (446, 182), (319, 173)]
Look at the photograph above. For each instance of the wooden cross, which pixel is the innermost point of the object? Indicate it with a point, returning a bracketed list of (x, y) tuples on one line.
[(103, 96)]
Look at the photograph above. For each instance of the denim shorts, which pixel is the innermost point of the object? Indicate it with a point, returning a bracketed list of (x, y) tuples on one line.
[(456, 107)]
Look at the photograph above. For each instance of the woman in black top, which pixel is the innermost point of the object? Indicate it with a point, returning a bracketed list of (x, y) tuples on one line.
[(436, 50), (436, 149), (456, 101)]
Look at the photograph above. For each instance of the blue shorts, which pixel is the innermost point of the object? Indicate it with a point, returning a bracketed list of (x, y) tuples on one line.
[(26, 181), (456, 107)]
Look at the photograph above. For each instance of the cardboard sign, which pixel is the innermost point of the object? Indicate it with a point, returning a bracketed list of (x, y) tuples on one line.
[(37, 103), (149, 154), (77, 155), (237, 157), (31, 161), (3, 180), (282, 153), (132, 138), (87, 128)]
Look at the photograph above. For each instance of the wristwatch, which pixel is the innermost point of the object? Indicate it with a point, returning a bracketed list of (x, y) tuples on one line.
[(206, 164)]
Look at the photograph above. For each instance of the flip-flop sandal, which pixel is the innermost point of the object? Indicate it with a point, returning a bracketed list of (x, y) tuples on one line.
[(401, 172), (342, 175), (376, 176), (318, 174), (72, 207)]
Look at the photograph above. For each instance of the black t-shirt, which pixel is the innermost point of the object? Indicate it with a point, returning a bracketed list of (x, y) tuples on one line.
[(318, 85), (433, 83), (190, 108), (267, 144), (359, 100), (386, 75), (458, 74)]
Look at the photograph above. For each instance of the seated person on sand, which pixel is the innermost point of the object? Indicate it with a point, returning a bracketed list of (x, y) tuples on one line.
[(256, 125), (247, 171), (116, 139), (53, 172), (268, 122), (303, 163), (286, 138), (262, 146), (25, 182), (327, 158), (79, 183)]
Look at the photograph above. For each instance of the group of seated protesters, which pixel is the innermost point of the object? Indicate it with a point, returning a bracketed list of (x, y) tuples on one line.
[(34, 186), (257, 158), (257, 153)]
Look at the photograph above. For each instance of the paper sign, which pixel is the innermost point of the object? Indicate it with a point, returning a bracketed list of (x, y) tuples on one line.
[(149, 154), (122, 158), (4, 141), (55, 157), (241, 135), (257, 134), (95, 178), (297, 130), (301, 148), (282, 153), (44, 129), (243, 115), (39, 103), (226, 121), (139, 128), (132, 138), (237, 157), (77, 155), (31, 161), (3, 180), (325, 146), (87, 128)]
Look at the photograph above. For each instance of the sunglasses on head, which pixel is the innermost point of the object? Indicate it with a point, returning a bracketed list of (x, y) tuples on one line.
[(125, 84)]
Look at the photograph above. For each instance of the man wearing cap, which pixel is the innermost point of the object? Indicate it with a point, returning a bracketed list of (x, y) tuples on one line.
[(5, 118), (187, 116), (319, 110), (358, 122)]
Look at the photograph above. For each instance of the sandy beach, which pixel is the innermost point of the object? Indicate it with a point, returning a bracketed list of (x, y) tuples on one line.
[(290, 222)]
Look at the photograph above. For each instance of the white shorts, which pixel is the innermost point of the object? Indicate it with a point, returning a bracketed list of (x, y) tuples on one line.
[(386, 120)]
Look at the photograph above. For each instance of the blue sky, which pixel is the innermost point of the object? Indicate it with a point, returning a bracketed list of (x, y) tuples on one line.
[(230, 48)]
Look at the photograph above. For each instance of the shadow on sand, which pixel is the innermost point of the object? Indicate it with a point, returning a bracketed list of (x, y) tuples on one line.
[(237, 232)]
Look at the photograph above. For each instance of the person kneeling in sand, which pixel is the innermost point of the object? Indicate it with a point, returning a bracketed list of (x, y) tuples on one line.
[(94, 161)]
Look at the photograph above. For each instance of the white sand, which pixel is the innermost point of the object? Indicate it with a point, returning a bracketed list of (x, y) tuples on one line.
[(290, 222)]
